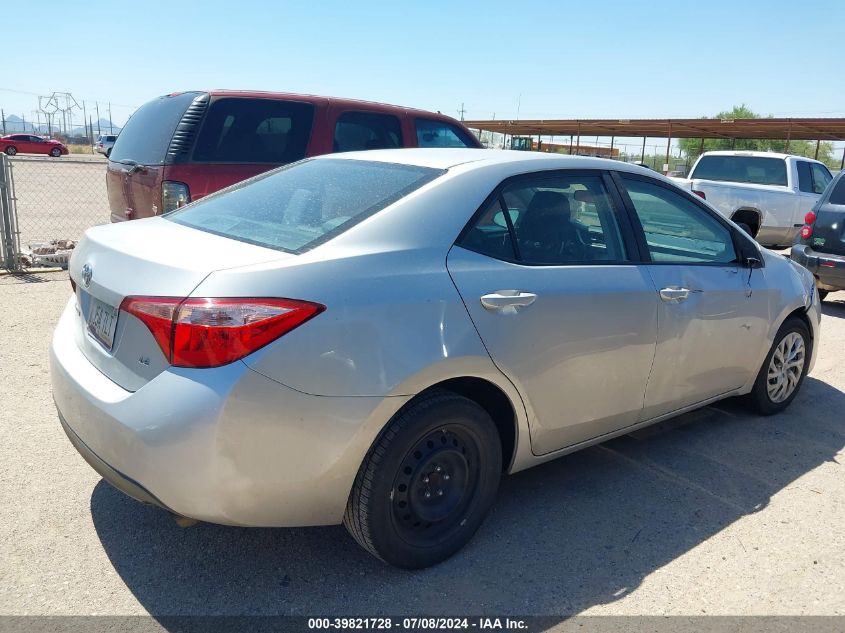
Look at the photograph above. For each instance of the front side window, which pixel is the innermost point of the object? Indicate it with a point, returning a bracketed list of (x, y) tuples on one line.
[(357, 131), (301, 206), (552, 220), (431, 133), (676, 229), (821, 177), (758, 170), (246, 130)]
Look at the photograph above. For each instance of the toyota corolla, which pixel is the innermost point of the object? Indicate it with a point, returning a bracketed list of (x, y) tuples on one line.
[(375, 338)]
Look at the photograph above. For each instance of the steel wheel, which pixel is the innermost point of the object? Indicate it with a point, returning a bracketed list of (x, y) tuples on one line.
[(786, 367), (436, 481)]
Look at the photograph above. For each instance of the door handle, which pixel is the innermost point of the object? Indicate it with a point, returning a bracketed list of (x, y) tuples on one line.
[(674, 295), (504, 299)]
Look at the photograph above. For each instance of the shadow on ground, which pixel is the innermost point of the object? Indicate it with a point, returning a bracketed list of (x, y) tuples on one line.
[(834, 306), (579, 531)]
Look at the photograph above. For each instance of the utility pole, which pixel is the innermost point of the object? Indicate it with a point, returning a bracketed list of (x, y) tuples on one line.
[(97, 105), (3, 117), (462, 111), (111, 124)]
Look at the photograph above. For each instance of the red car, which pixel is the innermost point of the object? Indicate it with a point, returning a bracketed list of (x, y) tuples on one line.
[(30, 144), (183, 146)]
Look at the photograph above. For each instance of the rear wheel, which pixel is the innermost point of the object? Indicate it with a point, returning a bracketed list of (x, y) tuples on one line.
[(55, 152), (783, 371), (428, 482), (11, 150)]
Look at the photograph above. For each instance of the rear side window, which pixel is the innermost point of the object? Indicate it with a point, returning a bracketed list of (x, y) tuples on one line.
[(431, 133), (821, 177), (837, 196), (805, 179), (147, 134), (301, 206), (758, 170), (243, 130), (366, 130)]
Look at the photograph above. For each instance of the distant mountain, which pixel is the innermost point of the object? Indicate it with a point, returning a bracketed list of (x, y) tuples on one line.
[(17, 124)]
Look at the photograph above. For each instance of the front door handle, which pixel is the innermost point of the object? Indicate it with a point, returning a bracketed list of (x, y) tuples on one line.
[(504, 299), (674, 295)]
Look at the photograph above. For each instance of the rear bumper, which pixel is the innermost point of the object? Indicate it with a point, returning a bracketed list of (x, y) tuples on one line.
[(828, 269), (224, 445)]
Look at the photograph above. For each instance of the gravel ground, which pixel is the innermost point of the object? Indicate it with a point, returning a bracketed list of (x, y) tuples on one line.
[(720, 512)]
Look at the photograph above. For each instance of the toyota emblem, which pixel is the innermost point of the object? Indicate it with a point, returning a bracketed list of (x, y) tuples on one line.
[(87, 273)]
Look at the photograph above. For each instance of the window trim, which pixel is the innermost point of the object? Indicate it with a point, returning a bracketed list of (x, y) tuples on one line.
[(619, 180), (620, 214)]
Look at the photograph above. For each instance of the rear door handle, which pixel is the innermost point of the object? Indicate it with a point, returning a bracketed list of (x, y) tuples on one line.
[(504, 299), (675, 295)]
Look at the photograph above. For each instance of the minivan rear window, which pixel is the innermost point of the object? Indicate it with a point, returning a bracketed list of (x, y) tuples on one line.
[(298, 207), (758, 170), (147, 134), (248, 130)]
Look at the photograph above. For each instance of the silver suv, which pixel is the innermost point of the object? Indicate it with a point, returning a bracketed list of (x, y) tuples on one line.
[(104, 143)]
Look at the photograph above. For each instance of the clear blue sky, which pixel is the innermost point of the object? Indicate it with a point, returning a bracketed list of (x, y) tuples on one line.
[(558, 59)]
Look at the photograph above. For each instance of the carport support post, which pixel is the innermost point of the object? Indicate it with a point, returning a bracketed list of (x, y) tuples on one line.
[(842, 162), (612, 138), (642, 156), (788, 136), (818, 142), (668, 145), (578, 146)]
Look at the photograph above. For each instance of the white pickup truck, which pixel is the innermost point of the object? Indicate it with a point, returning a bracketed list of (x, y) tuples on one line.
[(769, 193)]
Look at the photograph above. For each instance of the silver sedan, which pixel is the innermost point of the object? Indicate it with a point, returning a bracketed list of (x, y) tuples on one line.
[(375, 338)]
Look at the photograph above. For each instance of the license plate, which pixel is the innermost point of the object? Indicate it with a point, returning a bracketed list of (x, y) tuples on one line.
[(102, 321)]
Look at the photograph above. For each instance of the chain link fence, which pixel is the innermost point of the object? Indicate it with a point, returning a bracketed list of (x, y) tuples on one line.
[(50, 204)]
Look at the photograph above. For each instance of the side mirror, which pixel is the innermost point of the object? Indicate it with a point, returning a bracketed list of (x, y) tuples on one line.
[(752, 262)]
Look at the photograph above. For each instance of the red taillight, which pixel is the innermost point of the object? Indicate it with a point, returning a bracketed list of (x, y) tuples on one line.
[(809, 218), (214, 332), (700, 194), (806, 232)]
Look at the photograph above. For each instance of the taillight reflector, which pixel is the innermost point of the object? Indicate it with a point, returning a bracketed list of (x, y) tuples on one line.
[(809, 218), (213, 332), (806, 232)]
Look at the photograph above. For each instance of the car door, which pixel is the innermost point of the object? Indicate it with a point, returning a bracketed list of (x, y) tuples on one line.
[(713, 309), (548, 273)]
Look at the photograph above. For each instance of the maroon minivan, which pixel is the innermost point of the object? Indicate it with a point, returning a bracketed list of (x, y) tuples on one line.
[(185, 145)]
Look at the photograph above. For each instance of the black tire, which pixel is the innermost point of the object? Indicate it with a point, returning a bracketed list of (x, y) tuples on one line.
[(822, 294), (108, 153), (55, 152), (11, 150), (759, 398), (388, 512)]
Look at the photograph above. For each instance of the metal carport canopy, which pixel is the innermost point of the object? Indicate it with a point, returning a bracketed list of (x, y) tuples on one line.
[(828, 129)]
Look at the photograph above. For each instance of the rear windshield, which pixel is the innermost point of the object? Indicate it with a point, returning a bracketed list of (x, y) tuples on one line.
[(298, 207), (837, 196), (147, 134), (244, 130), (758, 170)]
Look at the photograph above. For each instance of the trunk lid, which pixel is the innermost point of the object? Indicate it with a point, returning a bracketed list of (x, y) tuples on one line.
[(829, 230), (154, 257)]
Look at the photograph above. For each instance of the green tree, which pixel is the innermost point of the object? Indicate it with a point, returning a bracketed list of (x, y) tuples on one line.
[(692, 147)]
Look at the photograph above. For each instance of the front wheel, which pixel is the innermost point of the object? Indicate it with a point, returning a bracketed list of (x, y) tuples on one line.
[(427, 483), (11, 150), (55, 152), (783, 371)]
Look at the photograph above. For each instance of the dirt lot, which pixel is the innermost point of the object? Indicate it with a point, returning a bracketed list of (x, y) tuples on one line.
[(58, 198), (718, 513)]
